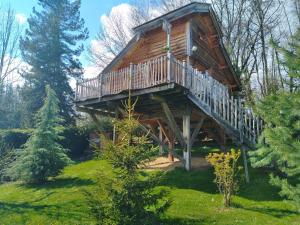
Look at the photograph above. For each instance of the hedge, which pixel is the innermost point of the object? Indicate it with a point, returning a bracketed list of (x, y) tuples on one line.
[(15, 138), (75, 139)]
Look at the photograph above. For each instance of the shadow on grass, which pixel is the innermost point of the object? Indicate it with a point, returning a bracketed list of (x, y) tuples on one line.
[(61, 183), (200, 180), (259, 188), (63, 211), (180, 221), (278, 213)]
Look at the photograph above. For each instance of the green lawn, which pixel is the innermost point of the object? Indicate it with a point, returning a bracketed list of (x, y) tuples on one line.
[(195, 200)]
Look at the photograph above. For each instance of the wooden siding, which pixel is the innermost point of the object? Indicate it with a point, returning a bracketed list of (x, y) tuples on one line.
[(153, 44), (209, 55)]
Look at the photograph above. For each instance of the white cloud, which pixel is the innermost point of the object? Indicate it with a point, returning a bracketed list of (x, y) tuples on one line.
[(21, 18), (120, 13)]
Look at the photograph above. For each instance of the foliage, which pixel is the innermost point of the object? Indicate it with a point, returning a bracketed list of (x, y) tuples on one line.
[(7, 157), (126, 198), (279, 144), (225, 166), (74, 138), (43, 156), (51, 46)]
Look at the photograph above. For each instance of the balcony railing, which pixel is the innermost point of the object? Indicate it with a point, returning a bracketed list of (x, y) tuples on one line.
[(161, 70), (210, 95)]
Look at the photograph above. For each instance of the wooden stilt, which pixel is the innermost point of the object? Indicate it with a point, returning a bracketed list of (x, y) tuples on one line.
[(186, 120), (244, 152), (196, 131), (171, 147), (161, 147)]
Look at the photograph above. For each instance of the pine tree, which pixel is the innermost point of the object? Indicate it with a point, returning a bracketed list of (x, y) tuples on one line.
[(43, 156), (126, 198), (279, 145), (51, 46)]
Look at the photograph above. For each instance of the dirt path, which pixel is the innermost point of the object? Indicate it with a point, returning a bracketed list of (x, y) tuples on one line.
[(163, 163)]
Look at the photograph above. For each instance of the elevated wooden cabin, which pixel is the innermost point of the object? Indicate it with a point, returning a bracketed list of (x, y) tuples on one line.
[(178, 67)]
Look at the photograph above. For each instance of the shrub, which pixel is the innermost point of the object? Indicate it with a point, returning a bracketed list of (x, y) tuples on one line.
[(225, 170)]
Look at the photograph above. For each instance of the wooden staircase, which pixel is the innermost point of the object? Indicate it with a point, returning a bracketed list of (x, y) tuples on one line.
[(214, 99)]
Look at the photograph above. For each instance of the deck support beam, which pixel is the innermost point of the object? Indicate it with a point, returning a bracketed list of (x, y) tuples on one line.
[(244, 152), (186, 123), (196, 131), (161, 147), (170, 120), (171, 147)]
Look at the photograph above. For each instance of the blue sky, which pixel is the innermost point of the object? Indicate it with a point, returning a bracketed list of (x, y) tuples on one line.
[(91, 11)]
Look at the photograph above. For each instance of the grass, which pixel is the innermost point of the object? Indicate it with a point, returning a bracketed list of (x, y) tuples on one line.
[(194, 196)]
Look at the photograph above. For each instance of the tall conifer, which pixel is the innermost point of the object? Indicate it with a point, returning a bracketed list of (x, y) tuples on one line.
[(52, 46)]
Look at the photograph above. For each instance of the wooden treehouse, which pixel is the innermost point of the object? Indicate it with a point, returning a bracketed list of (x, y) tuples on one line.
[(178, 67)]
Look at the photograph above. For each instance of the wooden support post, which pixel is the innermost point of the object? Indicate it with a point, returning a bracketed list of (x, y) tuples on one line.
[(161, 147), (171, 147), (196, 131), (244, 152), (187, 136)]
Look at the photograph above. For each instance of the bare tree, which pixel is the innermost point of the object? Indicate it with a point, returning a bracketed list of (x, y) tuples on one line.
[(10, 32)]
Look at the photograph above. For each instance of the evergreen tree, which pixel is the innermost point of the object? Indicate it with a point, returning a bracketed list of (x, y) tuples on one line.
[(51, 46), (127, 198), (43, 156), (279, 145)]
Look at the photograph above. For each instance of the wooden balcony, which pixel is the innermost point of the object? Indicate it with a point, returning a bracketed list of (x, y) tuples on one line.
[(162, 70), (212, 97)]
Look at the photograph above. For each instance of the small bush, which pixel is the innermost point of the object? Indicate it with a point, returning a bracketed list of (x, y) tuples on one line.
[(226, 170)]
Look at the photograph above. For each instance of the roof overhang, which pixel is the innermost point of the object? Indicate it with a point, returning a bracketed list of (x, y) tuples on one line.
[(176, 14)]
